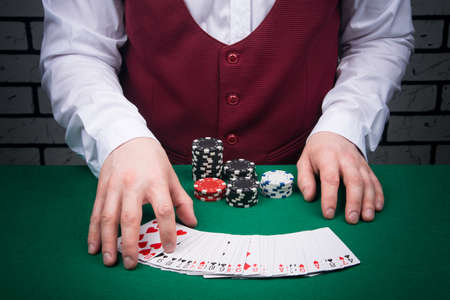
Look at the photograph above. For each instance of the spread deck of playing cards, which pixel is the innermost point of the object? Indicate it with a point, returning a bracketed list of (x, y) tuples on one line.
[(214, 255)]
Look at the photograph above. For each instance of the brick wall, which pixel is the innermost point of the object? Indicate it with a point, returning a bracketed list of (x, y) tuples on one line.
[(418, 131)]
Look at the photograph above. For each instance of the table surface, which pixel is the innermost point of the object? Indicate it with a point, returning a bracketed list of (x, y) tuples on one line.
[(404, 252)]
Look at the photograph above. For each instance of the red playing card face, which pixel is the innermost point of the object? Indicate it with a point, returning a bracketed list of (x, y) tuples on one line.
[(246, 266), (142, 244), (145, 251), (181, 232), (316, 264), (141, 236), (156, 245), (152, 230)]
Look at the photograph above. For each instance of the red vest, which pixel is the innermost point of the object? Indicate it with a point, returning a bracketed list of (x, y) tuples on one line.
[(262, 95)]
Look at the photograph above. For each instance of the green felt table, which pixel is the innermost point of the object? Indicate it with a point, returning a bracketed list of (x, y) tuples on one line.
[(404, 253)]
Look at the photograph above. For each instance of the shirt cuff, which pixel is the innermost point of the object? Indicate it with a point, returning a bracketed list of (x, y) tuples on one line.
[(115, 135), (345, 123)]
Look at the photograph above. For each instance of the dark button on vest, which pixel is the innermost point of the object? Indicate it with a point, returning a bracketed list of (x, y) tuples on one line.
[(233, 99)]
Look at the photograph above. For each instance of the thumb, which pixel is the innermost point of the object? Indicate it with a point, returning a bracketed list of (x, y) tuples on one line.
[(305, 179), (182, 202)]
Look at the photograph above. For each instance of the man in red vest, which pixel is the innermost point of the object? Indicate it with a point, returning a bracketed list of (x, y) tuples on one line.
[(278, 81)]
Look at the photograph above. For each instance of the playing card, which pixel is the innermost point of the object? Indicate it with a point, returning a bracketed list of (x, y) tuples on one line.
[(341, 255), (252, 261), (215, 255)]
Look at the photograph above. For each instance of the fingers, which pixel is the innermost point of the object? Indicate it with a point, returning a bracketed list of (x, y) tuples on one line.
[(379, 195), (109, 225), (355, 190), (329, 178), (182, 202), (94, 235), (163, 208), (368, 202), (306, 181), (130, 221)]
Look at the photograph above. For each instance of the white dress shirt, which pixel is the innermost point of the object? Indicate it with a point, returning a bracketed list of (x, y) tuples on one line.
[(80, 61)]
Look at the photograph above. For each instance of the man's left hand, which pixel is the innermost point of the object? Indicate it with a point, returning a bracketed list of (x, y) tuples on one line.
[(333, 157)]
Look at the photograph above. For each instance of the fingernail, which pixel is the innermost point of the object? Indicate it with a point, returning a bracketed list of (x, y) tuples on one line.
[(379, 205), (107, 257), (91, 248), (128, 262), (169, 247), (369, 213), (330, 213), (353, 217)]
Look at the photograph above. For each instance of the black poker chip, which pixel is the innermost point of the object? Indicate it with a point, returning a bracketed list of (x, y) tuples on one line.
[(238, 168), (207, 145), (242, 192), (242, 185), (207, 158)]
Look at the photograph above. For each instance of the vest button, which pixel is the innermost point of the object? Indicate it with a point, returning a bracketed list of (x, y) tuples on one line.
[(233, 57), (233, 99), (232, 139)]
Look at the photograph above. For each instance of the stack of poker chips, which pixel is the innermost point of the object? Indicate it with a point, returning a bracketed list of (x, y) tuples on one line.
[(207, 158), (277, 184), (242, 192), (239, 168), (210, 189)]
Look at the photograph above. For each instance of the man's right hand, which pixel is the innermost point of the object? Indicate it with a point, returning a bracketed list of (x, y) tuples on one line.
[(136, 173)]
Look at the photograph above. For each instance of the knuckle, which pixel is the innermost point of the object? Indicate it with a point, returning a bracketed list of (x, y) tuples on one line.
[(354, 203), (348, 159), (331, 179), (355, 181), (164, 210), (95, 219), (129, 178), (107, 219), (129, 219)]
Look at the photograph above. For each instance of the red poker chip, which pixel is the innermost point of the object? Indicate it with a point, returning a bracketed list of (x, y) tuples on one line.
[(210, 185), (208, 199), (209, 196)]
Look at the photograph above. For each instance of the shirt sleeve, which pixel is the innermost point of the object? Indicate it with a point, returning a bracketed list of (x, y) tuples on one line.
[(376, 42), (80, 60)]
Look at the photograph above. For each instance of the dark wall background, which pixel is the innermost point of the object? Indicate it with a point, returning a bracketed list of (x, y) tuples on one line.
[(418, 131)]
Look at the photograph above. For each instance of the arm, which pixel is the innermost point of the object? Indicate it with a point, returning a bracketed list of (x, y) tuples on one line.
[(376, 43), (80, 61)]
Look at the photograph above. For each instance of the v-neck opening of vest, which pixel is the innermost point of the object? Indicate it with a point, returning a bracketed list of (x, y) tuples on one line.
[(222, 44)]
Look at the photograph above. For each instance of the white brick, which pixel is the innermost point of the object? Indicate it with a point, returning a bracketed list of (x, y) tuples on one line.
[(37, 32), (415, 98), (30, 130), (13, 36), (400, 155), (17, 68), (429, 33), (430, 7), (19, 156), (429, 66), (21, 8), (62, 156), (443, 154), (45, 106), (16, 100), (419, 128), (445, 98)]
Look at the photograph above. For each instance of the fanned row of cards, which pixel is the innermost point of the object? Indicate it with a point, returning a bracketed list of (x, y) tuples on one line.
[(216, 255)]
